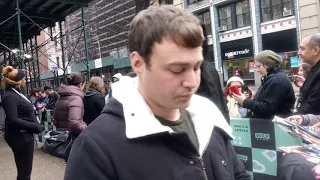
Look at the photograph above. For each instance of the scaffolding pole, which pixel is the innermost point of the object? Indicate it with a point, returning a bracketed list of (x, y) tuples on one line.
[(33, 67), (62, 53), (85, 41), (20, 40), (29, 66), (38, 66)]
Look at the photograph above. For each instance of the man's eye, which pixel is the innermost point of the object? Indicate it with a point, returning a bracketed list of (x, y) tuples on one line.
[(176, 71)]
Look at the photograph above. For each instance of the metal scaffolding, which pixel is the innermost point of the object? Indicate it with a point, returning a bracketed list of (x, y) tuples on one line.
[(18, 44), (87, 31), (107, 24)]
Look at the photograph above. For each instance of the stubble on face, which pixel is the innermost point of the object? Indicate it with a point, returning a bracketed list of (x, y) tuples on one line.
[(172, 77)]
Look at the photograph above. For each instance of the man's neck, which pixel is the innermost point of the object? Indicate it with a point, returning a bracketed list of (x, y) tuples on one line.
[(314, 62), (165, 113)]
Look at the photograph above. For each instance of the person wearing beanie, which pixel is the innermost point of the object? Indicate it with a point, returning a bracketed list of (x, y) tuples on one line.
[(275, 96)]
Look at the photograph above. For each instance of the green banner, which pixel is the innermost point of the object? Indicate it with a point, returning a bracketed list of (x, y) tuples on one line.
[(256, 143)]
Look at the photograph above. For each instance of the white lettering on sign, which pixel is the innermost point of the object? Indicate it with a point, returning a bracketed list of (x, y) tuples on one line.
[(234, 53)]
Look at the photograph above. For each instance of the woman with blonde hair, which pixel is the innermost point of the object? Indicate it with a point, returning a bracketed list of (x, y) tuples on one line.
[(20, 122), (94, 99)]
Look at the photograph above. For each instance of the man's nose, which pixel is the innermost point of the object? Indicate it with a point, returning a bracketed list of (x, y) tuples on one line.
[(191, 79)]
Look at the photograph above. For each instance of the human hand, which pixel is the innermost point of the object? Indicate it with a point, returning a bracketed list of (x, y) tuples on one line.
[(239, 98), (299, 80), (296, 119), (316, 125)]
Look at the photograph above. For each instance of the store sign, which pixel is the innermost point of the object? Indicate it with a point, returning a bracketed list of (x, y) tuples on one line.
[(231, 55), (237, 52), (294, 61)]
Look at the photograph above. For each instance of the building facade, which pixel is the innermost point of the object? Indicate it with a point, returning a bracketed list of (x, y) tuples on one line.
[(238, 30), (309, 16), (246, 27)]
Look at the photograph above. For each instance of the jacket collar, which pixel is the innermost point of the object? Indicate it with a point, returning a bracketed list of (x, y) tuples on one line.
[(140, 120), (271, 73)]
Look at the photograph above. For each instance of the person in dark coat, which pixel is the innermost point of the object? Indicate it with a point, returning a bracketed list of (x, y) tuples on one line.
[(155, 127), (310, 91), (52, 97), (275, 96), (210, 85), (293, 166), (94, 99), (20, 121), (68, 115)]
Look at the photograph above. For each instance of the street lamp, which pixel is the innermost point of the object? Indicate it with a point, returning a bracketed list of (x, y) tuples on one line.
[(27, 56)]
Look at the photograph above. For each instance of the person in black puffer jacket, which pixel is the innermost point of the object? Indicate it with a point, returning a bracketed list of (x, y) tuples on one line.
[(94, 99), (275, 96)]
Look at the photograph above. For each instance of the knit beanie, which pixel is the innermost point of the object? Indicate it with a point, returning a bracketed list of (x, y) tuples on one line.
[(268, 58), (235, 79)]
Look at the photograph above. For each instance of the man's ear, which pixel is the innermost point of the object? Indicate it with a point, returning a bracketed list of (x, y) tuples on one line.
[(316, 50), (137, 62)]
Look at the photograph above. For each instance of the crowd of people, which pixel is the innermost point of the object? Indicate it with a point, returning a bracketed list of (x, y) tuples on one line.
[(169, 118)]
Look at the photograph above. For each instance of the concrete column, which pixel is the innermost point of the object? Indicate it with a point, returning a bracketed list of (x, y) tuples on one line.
[(256, 33)]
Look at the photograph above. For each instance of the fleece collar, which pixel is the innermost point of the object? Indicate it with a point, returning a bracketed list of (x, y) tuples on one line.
[(140, 121)]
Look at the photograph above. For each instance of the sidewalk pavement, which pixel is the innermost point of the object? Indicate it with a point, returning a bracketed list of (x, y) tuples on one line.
[(45, 166)]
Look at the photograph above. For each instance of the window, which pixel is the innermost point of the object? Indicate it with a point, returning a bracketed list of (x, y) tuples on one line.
[(243, 14), (266, 10), (193, 1), (225, 17), (276, 9), (287, 5), (165, 1), (205, 19), (115, 54), (123, 52)]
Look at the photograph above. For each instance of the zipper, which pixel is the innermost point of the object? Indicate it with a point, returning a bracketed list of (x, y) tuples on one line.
[(203, 168)]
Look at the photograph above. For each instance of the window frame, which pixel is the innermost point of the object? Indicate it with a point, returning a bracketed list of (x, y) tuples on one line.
[(234, 15), (201, 17), (162, 2), (272, 9), (243, 14), (190, 2), (229, 27)]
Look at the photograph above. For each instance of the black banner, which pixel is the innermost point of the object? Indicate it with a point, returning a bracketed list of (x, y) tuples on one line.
[(237, 49)]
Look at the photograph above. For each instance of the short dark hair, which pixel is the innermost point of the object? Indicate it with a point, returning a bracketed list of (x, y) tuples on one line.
[(152, 25), (47, 88)]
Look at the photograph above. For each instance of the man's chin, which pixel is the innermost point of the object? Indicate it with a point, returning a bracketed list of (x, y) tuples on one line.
[(184, 104)]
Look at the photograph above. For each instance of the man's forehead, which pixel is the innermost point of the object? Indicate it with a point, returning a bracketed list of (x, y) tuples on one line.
[(305, 41)]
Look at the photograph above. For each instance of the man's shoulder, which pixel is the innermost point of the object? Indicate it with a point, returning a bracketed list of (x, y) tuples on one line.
[(106, 126)]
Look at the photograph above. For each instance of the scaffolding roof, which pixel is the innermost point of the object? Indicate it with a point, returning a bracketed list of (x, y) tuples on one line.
[(45, 13)]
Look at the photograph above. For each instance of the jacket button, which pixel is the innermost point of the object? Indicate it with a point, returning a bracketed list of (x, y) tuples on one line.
[(224, 163), (191, 162), (132, 114)]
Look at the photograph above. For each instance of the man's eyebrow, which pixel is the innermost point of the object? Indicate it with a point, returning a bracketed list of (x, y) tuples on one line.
[(182, 63)]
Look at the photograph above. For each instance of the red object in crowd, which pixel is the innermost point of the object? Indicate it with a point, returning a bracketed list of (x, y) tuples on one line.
[(316, 171), (231, 90)]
